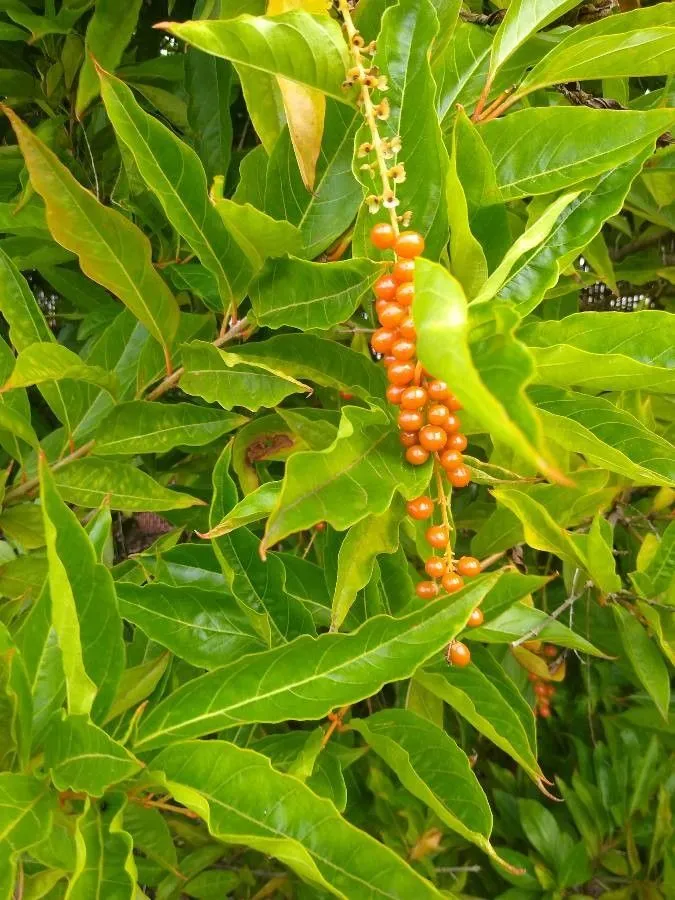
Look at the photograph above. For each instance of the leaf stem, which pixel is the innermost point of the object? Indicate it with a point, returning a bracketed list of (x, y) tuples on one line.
[(443, 502), (353, 37), (335, 720)]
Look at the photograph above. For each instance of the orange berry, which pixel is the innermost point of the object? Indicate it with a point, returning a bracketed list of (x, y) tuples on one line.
[(420, 508), (390, 315), (345, 395), (380, 305), (476, 618), (381, 340), (437, 536), (416, 455), (544, 710), (382, 236), (403, 349), (404, 270), (468, 566), (408, 438), (438, 390), (405, 293), (401, 373), (409, 244), (426, 590), (550, 651), (550, 690), (452, 423), (450, 459), (459, 477), (407, 329), (532, 677), (540, 689), (413, 398), (385, 287), (457, 442), (432, 438), (320, 526), (458, 654), (452, 582), (453, 403), (410, 420), (394, 392), (435, 566), (438, 414)]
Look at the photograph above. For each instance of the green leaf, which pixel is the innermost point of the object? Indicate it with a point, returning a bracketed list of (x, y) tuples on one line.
[(523, 19), (549, 160), (657, 576), (606, 351), (38, 644), (40, 363), (520, 620), (308, 677), (469, 264), (363, 543), (258, 585), (259, 235), (253, 507), (327, 211), (605, 434), (304, 48), (206, 628), (309, 295), (26, 806), (15, 423), (645, 658), (532, 237), (142, 427), (357, 476), (324, 362), (104, 863), (150, 834), (432, 767), (84, 607), (303, 831), (137, 683), (442, 320), (487, 698), (174, 173), (91, 482), (638, 43), (543, 833), (81, 757), (208, 83), (16, 705), (406, 36), (225, 378), (109, 31), (27, 326), (540, 269), (111, 249)]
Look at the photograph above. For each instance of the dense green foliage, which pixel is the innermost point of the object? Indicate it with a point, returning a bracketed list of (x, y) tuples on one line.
[(216, 678)]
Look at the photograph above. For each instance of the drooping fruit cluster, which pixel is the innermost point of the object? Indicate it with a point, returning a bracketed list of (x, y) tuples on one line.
[(543, 693), (427, 419)]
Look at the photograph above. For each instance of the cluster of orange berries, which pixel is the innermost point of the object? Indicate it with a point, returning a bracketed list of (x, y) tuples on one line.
[(451, 574), (427, 419)]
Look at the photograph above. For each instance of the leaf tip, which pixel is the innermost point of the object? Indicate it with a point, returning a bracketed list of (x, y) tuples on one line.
[(163, 26), (542, 787)]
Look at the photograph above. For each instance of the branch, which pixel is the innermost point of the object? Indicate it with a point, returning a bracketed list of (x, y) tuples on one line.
[(172, 380), (573, 92), (554, 615), (32, 483)]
